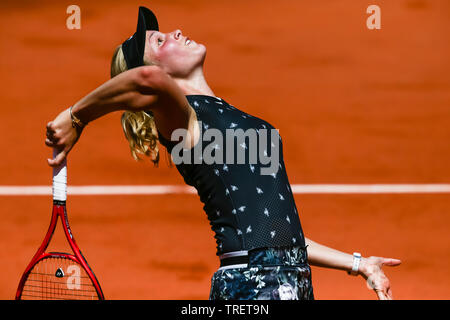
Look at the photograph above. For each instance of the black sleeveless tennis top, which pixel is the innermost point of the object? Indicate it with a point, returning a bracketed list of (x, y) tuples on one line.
[(246, 209)]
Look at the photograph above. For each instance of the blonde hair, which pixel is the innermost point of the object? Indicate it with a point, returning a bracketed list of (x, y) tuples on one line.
[(139, 127)]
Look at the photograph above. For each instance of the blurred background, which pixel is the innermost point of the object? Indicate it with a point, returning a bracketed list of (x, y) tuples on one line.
[(353, 105)]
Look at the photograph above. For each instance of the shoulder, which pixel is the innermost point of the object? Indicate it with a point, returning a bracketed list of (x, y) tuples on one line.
[(152, 80), (155, 78)]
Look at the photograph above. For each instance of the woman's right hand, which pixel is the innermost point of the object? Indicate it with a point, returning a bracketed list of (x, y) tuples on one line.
[(62, 136)]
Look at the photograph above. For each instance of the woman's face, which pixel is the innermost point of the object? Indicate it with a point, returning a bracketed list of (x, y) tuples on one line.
[(174, 53)]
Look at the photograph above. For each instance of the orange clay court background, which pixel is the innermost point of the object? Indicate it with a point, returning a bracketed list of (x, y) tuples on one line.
[(353, 105)]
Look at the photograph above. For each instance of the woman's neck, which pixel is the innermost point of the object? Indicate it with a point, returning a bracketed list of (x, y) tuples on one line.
[(195, 84)]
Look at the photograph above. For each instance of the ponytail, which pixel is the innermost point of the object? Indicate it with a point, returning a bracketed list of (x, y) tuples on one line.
[(139, 127)]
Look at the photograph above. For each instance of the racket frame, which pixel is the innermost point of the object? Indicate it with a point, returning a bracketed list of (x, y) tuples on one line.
[(59, 211)]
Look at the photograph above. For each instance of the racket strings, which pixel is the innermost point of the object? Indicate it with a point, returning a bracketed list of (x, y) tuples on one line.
[(58, 278)]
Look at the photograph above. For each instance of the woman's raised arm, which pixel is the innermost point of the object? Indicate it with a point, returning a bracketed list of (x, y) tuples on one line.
[(143, 88)]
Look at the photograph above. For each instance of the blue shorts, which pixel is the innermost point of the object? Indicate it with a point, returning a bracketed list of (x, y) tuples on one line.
[(270, 274)]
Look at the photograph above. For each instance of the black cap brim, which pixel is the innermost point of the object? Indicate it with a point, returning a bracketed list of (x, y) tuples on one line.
[(133, 48)]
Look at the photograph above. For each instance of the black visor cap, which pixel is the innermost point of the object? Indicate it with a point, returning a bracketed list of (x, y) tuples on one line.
[(133, 48)]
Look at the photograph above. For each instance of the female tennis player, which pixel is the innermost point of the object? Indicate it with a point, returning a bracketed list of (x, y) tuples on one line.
[(157, 79)]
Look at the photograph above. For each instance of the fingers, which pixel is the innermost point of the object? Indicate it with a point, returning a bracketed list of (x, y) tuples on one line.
[(390, 295), (50, 143), (50, 134), (381, 295), (391, 262), (58, 159), (51, 140), (49, 128)]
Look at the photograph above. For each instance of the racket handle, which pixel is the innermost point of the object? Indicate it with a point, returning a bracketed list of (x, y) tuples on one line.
[(59, 180)]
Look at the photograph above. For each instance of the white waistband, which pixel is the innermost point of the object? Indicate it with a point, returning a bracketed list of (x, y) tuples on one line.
[(233, 254), (234, 266)]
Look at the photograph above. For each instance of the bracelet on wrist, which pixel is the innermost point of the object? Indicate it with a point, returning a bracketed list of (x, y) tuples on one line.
[(75, 121)]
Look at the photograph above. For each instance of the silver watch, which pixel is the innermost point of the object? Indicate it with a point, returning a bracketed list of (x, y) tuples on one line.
[(356, 262)]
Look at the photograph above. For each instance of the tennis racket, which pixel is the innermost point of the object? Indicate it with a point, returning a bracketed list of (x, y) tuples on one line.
[(57, 275)]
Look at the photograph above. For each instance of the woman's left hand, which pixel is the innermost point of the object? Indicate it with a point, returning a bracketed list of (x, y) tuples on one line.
[(370, 269)]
